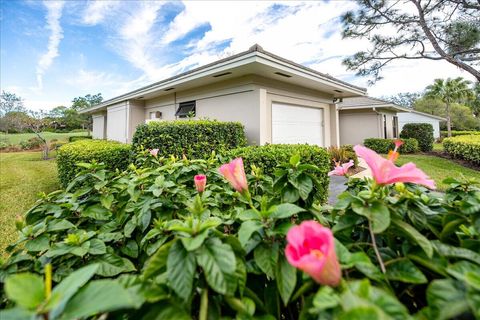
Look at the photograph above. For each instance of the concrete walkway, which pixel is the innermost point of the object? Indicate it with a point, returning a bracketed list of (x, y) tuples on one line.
[(337, 184)]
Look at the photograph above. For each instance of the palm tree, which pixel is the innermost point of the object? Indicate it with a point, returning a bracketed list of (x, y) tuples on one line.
[(449, 91)]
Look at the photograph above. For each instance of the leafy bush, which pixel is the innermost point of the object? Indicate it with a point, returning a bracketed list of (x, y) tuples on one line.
[(385, 145), (459, 133), (463, 147), (115, 155), (173, 253), (269, 157), (77, 138), (192, 138), (423, 132), (342, 154), (32, 143), (4, 145)]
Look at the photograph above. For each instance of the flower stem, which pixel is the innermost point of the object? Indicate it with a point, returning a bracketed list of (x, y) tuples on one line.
[(203, 315), (375, 248)]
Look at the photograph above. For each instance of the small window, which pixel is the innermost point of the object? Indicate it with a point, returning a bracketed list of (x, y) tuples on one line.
[(155, 115), (186, 109)]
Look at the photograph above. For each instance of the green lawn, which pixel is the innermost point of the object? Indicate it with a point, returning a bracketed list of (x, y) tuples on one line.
[(22, 176), (16, 138), (438, 168)]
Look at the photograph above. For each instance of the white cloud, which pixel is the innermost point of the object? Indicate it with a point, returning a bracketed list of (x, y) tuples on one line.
[(54, 13), (97, 10)]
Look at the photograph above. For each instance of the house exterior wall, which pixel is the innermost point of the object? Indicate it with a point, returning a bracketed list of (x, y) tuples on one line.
[(407, 117), (99, 130), (358, 125), (247, 99)]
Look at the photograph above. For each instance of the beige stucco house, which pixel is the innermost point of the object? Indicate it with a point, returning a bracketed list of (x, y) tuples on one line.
[(277, 100), (365, 117)]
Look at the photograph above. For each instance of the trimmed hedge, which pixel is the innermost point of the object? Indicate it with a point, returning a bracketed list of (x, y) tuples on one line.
[(77, 138), (459, 133), (385, 145), (114, 155), (423, 132), (192, 138), (464, 147), (269, 156)]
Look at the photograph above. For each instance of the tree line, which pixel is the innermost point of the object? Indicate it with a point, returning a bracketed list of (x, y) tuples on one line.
[(15, 117)]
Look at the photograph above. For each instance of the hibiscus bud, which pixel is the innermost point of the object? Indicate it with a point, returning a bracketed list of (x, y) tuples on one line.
[(154, 152), (19, 222), (200, 182), (234, 172), (311, 248), (400, 187)]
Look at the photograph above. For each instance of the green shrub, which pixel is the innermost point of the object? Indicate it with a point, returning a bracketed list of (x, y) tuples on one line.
[(4, 145), (385, 145), (31, 143), (463, 147), (268, 157), (144, 244), (77, 138), (342, 154), (423, 132), (115, 155), (459, 133), (192, 138)]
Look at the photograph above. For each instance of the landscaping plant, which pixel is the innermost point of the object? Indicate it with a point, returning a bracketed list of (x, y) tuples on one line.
[(183, 239), (465, 147), (422, 132), (385, 145)]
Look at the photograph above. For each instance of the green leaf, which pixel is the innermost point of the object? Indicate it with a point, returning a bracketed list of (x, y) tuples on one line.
[(247, 229), (25, 289), (106, 200), (325, 298), (60, 224), (217, 260), (17, 314), (304, 185), (286, 276), (181, 267), (97, 212), (414, 235), (295, 159), (130, 248), (98, 297), (456, 252), (380, 216), (266, 257), (111, 265), (195, 242), (167, 312), (404, 270), (62, 293), (284, 210), (38, 244), (290, 195), (158, 261), (97, 246), (446, 299), (361, 313)]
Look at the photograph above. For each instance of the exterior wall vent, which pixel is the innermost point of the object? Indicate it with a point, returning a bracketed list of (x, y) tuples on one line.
[(221, 74), (283, 74), (168, 89)]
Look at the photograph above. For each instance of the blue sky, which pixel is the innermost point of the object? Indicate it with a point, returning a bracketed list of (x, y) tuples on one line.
[(53, 51)]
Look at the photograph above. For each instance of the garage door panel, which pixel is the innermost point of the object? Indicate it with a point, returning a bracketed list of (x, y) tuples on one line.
[(297, 124)]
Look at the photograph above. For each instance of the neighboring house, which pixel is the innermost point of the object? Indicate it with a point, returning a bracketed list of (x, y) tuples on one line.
[(365, 117), (277, 100), (420, 117)]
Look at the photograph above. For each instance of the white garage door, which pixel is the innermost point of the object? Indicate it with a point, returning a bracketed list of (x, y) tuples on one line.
[(295, 124)]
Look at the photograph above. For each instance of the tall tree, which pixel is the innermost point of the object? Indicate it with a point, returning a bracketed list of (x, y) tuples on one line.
[(449, 91), (10, 102), (447, 30), (406, 99), (80, 103), (474, 104)]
